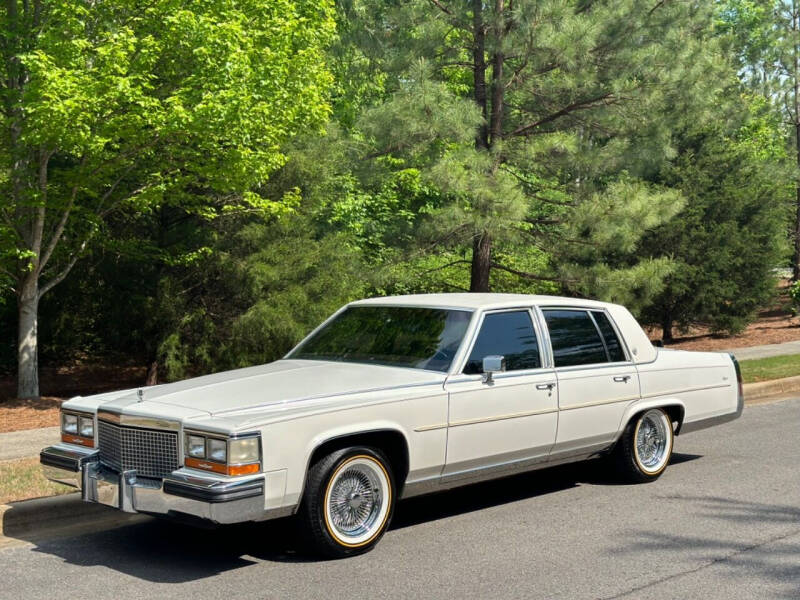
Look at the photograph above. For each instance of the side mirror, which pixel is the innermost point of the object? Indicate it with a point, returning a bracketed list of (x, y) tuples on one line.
[(491, 365)]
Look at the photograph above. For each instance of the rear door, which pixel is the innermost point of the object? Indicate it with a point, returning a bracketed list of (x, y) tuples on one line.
[(596, 378), (511, 418)]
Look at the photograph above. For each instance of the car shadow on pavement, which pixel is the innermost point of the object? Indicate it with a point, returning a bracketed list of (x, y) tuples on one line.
[(169, 552), (164, 551), (479, 496), (770, 550)]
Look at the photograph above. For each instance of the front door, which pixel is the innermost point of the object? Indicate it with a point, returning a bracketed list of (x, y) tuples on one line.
[(510, 419)]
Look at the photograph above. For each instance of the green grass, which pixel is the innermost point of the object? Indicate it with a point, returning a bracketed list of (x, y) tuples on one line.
[(776, 367), (23, 479)]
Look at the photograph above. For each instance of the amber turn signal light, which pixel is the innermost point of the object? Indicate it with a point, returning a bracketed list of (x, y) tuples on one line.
[(243, 469), (77, 439), (214, 467)]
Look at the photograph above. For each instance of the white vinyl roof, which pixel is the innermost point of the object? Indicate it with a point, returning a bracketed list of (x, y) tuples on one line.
[(472, 301)]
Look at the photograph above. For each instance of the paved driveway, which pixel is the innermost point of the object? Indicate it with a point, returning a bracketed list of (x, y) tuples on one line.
[(723, 522)]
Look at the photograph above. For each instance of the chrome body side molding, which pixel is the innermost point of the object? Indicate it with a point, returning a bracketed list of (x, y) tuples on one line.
[(710, 422), (508, 469)]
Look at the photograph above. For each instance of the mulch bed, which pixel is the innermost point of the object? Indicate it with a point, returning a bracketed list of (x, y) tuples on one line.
[(32, 413), (775, 329), (61, 383), (774, 325)]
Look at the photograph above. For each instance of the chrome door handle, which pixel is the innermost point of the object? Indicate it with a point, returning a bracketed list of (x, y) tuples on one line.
[(545, 386), (622, 379)]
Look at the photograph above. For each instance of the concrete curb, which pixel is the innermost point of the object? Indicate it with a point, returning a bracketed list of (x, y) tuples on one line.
[(775, 387), (29, 520)]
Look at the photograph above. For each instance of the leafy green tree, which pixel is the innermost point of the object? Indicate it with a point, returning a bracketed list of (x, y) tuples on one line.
[(520, 113), (264, 286), (727, 241), (765, 38), (125, 107)]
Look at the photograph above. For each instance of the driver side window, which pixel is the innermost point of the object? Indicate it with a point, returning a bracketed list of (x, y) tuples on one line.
[(508, 334)]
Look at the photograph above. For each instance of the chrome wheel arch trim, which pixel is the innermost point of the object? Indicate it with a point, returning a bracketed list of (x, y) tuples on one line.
[(645, 404), (320, 441)]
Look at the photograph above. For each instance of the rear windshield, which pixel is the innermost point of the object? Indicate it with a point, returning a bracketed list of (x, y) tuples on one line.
[(397, 336)]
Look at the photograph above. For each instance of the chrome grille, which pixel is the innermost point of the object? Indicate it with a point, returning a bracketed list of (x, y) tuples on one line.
[(151, 453)]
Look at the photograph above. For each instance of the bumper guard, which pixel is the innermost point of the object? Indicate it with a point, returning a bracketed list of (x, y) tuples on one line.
[(219, 500)]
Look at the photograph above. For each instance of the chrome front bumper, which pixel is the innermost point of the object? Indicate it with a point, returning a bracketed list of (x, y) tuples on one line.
[(216, 499)]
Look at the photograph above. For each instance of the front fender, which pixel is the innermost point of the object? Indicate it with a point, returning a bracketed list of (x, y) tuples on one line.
[(344, 431)]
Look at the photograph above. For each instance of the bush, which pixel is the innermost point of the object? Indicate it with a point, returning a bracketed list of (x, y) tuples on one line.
[(794, 294)]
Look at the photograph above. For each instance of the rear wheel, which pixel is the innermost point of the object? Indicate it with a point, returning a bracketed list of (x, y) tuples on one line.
[(349, 501), (645, 448)]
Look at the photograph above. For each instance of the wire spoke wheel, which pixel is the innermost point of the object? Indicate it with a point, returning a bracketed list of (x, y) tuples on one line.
[(357, 500), (653, 441)]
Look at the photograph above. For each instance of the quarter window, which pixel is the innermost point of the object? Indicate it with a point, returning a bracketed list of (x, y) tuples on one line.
[(508, 334), (574, 338), (615, 351)]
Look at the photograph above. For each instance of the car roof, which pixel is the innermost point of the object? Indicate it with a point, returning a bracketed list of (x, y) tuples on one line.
[(474, 301)]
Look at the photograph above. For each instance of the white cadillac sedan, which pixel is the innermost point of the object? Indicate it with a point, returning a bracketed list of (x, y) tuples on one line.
[(391, 398)]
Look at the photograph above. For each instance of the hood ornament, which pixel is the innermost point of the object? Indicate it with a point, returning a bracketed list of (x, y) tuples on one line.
[(140, 394)]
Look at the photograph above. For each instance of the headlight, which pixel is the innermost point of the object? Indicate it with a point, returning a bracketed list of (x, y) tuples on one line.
[(77, 428), (240, 455), (195, 446), (86, 426), (69, 423), (218, 450), (244, 450)]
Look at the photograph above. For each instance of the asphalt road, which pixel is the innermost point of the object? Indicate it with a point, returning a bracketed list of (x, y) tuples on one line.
[(722, 522)]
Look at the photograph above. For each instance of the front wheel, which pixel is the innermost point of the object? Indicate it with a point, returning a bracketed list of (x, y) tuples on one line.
[(349, 501), (645, 448)]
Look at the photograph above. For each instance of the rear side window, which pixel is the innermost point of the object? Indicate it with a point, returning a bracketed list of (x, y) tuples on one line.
[(615, 351), (508, 334), (574, 337)]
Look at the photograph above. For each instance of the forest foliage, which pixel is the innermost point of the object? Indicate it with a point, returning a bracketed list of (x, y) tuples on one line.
[(230, 173)]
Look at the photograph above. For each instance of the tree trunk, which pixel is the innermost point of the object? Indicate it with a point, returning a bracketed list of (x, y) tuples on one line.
[(796, 82), (28, 339), (666, 329), (479, 70), (481, 262), (498, 86), (796, 261), (152, 374)]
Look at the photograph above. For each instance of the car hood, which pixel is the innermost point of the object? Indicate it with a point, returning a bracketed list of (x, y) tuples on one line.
[(281, 384)]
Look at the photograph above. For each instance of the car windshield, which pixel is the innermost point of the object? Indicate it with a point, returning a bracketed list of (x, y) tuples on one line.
[(397, 336)]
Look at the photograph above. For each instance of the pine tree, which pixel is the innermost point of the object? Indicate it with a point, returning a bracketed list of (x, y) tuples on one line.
[(728, 239), (522, 112)]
